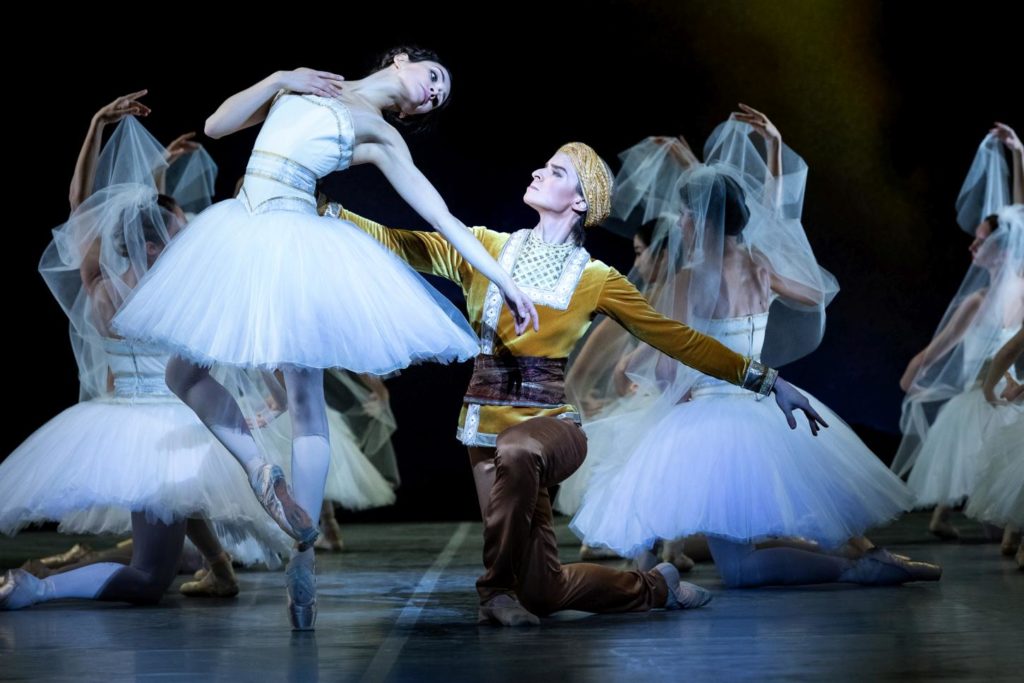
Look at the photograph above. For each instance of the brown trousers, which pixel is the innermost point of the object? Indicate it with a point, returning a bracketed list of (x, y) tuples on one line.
[(520, 549)]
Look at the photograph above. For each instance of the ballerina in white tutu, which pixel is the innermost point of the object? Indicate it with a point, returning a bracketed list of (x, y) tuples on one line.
[(683, 455), (262, 281), (130, 455), (945, 415), (365, 403), (584, 383), (363, 472), (998, 495)]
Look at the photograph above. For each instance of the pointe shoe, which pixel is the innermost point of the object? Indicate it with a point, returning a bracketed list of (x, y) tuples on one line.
[(201, 573), (879, 567), (217, 582), (681, 594), (20, 589), (505, 610), (944, 530), (74, 554), (300, 579), (589, 553), (274, 494)]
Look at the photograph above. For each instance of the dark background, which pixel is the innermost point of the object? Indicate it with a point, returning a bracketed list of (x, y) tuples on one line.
[(886, 102)]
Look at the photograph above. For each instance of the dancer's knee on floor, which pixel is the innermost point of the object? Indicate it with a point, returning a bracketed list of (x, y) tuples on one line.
[(137, 587)]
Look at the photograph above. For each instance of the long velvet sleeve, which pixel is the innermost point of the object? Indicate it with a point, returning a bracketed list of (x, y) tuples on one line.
[(621, 301), (425, 251)]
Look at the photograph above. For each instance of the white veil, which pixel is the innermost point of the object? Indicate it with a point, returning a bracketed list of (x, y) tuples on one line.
[(691, 209), (988, 306)]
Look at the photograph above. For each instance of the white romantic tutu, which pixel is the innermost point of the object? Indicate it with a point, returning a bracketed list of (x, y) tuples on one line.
[(571, 491), (285, 287), (612, 437), (96, 462), (998, 495), (727, 465), (952, 455), (352, 481)]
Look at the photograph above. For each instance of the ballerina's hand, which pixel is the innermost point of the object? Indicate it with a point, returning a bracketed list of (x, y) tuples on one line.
[(312, 82), (1007, 136), (125, 105), (759, 122), (375, 406), (1013, 391), (678, 149), (180, 146), (523, 311), (265, 416)]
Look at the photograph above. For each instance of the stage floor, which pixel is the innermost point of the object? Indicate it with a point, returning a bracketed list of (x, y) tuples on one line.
[(400, 605)]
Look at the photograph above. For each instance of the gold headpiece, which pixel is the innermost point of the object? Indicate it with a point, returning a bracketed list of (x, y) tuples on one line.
[(595, 179)]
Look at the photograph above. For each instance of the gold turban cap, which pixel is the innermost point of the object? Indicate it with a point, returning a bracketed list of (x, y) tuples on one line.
[(595, 179)]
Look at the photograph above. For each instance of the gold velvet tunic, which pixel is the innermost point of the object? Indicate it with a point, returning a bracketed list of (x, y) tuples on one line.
[(569, 289)]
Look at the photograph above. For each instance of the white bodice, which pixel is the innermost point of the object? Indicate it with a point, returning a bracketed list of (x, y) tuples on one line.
[(138, 370), (303, 139), (979, 347), (745, 336)]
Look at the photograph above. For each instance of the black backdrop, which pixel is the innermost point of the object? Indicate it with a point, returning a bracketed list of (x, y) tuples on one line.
[(886, 101)]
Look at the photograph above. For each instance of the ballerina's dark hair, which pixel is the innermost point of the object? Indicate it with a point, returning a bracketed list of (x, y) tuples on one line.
[(727, 204), (421, 122)]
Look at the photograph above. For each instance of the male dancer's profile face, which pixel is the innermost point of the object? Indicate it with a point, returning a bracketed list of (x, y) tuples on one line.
[(555, 187)]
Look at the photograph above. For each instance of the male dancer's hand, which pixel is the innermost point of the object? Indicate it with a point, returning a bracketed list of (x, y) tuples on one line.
[(789, 399)]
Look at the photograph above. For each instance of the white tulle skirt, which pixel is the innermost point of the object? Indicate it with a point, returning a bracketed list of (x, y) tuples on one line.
[(727, 465), (570, 491), (96, 462), (288, 288), (352, 481), (952, 456), (998, 495)]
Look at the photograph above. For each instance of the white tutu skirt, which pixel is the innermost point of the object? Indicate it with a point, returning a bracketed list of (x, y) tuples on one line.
[(93, 464), (998, 495), (570, 491), (352, 481), (952, 456), (288, 288), (727, 465), (611, 438)]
